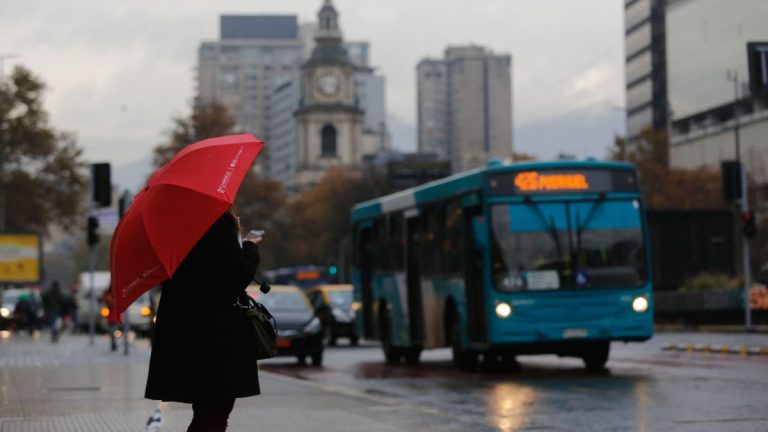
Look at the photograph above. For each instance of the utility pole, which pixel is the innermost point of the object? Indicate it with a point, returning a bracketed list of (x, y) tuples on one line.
[(733, 75)]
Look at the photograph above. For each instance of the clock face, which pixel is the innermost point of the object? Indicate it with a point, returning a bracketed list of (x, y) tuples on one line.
[(328, 84)]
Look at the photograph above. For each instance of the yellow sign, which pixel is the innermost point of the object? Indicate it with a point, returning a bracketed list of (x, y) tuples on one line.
[(530, 181), (19, 258)]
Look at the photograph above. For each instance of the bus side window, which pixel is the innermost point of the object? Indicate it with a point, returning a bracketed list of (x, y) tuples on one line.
[(453, 239), (434, 222), (396, 243)]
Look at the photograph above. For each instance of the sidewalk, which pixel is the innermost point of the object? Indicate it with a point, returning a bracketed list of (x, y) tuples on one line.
[(72, 386)]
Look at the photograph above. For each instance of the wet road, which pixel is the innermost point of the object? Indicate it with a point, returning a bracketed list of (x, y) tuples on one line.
[(644, 388)]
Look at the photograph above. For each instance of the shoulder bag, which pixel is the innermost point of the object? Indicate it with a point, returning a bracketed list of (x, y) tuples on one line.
[(263, 326)]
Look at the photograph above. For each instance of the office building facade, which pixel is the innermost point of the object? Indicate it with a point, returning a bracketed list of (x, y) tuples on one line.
[(710, 45), (241, 69), (646, 82), (698, 69), (465, 106)]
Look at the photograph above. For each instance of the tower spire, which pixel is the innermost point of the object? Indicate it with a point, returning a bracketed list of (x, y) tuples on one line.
[(328, 19)]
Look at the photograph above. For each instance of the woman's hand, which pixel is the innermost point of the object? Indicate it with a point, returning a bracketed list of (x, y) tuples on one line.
[(253, 238)]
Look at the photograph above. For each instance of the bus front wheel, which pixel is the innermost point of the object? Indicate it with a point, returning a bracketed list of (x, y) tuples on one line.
[(595, 355), (462, 359)]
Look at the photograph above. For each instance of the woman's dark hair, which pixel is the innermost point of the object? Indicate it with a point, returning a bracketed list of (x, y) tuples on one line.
[(232, 212)]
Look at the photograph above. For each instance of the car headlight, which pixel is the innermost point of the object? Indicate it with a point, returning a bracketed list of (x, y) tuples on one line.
[(313, 326), (5, 313), (640, 304), (503, 310)]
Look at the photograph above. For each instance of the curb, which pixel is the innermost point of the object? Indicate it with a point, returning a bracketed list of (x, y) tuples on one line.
[(742, 350), (710, 328)]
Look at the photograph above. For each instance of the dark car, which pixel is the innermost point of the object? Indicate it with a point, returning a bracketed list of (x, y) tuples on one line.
[(299, 331), (333, 304), (21, 309)]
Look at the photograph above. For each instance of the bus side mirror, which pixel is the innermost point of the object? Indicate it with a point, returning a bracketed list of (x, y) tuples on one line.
[(479, 231)]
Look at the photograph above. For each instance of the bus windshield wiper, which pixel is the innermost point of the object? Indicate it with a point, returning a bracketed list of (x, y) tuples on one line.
[(548, 223), (582, 225)]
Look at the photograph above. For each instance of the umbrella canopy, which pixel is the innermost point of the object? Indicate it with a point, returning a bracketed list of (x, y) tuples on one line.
[(181, 201)]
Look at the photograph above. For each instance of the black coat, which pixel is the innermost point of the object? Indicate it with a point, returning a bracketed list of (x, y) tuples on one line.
[(200, 350)]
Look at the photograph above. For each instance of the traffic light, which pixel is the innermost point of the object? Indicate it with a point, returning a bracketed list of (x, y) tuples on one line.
[(93, 230), (101, 180), (333, 270), (748, 224)]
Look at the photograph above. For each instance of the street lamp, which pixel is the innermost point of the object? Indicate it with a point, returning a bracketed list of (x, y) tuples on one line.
[(733, 75)]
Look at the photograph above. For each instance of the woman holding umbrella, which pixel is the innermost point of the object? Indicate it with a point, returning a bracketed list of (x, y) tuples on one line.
[(181, 231), (199, 354)]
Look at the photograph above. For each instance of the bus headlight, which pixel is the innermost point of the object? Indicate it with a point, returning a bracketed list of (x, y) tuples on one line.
[(640, 304), (503, 310)]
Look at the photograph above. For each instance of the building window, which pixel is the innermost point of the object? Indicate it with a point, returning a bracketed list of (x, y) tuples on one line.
[(328, 141)]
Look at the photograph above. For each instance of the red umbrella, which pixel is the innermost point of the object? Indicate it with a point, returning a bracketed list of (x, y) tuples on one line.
[(180, 202)]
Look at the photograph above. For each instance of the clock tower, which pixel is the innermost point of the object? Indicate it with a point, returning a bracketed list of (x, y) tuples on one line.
[(329, 117)]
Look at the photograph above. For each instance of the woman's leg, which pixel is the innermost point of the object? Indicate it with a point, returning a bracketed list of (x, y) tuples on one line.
[(210, 416)]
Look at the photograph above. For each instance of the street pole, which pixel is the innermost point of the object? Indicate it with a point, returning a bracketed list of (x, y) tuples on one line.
[(122, 207), (92, 297), (746, 272)]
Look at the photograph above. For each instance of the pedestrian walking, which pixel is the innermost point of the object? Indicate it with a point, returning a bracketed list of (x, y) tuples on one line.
[(53, 302), (200, 353)]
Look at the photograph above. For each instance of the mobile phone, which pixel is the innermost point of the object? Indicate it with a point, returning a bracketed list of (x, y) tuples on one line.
[(257, 233)]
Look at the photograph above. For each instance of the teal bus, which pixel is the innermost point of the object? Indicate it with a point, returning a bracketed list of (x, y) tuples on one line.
[(506, 260)]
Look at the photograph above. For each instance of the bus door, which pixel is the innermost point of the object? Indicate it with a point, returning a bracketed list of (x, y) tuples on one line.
[(413, 279), (366, 248), (473, 277)]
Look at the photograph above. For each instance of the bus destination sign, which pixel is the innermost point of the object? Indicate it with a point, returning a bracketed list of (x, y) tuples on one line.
[(543, 182)]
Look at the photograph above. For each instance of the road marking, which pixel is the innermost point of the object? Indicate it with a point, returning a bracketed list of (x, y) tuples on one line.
[(742, 350)]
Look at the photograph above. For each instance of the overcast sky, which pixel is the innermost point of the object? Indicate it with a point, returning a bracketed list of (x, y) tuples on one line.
[(118, 71)]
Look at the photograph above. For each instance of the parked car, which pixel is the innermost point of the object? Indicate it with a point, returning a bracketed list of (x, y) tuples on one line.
[(333, 304), (140, 312), (299, 331), (21, 308)]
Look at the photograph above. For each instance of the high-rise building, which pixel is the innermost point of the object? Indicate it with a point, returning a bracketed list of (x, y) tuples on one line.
[(688, 62), (465, 106), (284, 131), (646, 73), (432, 111), (240, 70)]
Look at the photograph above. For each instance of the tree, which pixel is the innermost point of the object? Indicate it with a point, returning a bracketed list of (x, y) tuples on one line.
[(261, 204), (665, 187), (42, 176), (206, 121), (320, 218)]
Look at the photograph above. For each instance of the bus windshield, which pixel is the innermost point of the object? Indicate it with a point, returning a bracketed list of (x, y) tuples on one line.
[(567, 245)]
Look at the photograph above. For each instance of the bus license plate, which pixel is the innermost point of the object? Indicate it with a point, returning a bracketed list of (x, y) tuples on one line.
[(573, 333)]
